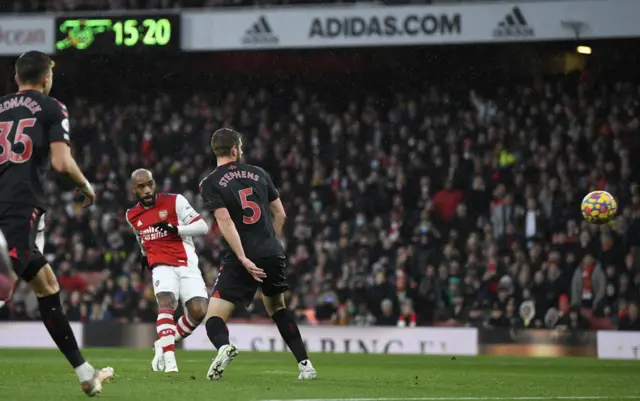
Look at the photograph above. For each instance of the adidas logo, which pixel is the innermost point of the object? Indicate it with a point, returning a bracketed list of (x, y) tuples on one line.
[(260, 33), (514, 25)]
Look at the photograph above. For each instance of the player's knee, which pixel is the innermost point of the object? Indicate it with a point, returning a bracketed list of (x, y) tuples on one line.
[(219, 308), (166, 300), (197, 309), (45, 282), (273, 304)]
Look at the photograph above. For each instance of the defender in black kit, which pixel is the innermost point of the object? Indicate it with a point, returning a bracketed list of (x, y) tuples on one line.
[(34, 128), (250, 215)]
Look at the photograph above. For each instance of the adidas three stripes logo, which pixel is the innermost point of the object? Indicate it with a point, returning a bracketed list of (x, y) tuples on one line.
[(514, 24)]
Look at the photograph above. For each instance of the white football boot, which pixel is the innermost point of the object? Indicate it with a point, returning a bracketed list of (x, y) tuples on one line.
[(307, 372), (226, 355), (158, 360), (94, 386), (170, 363)]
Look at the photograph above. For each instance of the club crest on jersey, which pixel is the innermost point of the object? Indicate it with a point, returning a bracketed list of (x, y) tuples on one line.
[(163, 214)]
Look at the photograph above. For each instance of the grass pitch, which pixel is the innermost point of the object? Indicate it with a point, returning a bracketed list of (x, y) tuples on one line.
[(35, 375)]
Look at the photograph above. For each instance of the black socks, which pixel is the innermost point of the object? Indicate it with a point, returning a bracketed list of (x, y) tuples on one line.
[(217, 332), (290, 334), (59, 329)]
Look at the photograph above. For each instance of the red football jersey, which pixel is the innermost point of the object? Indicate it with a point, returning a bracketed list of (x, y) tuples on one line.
[(159, 247)]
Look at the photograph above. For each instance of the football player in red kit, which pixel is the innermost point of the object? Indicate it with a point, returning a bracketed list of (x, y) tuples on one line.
[(164, 225)]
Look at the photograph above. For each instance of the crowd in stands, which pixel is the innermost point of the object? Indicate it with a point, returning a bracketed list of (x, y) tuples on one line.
[(418, 208)]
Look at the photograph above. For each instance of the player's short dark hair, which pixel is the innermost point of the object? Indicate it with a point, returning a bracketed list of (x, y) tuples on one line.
[(32, 66), (223, 140)]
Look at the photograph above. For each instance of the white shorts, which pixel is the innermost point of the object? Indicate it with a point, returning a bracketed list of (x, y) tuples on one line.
[(184, 282)]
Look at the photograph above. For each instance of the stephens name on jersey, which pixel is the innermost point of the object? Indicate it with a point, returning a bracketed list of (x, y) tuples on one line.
[(246, 191), (29, 122), (162, 248)]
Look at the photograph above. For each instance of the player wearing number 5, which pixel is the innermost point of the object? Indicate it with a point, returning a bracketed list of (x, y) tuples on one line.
[(248, 210), (33, 129)]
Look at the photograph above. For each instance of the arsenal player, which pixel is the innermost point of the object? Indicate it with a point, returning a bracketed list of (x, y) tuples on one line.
[(164, 225)]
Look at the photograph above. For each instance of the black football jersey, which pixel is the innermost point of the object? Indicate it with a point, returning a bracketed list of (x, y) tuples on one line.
[(29, 122), (246, 191)]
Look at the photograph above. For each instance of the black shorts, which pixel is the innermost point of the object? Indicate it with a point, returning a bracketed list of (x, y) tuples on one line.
[(236, 285), (19, 224)]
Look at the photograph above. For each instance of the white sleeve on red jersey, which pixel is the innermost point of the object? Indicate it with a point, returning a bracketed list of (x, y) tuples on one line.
[(136, 234), (190, 222), (186, 214)]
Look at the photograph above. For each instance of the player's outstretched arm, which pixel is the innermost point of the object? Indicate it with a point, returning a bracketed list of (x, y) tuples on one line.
[(63, 162), (279, 216)]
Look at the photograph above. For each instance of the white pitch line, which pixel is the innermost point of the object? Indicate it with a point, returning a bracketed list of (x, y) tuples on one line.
[(526, 398)]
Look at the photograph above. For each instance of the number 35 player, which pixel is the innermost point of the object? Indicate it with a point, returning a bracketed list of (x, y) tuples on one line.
[(242, 198), (34, 128)]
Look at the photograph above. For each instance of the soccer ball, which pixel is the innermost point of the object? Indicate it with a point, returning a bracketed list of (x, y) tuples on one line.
[(599, 207)]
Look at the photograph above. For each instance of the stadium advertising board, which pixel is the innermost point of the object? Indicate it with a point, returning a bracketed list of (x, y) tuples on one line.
[(538, 343), (21, 34), (344, 26), (374, 340), (619, 345), (32, 335)]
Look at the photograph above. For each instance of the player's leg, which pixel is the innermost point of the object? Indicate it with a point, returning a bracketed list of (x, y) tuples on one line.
[(193, 292), (7, 276), (44, 284), (288, 328), (233, 285), (32, 267), (273, 289), (218, 312), (166, 285)]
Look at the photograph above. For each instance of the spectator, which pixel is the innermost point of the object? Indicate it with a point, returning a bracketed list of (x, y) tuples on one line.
[(407, 316), (70, 280), (387, 316), (630, 321), (446, 201), (573, 320), (504, 213), (588, 285)]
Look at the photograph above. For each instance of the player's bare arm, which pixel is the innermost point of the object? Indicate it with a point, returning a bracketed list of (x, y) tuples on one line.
[(279, 216), (63, 162), (230, 234)]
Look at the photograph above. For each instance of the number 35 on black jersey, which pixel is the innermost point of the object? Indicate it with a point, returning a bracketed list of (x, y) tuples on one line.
[(29, 122)]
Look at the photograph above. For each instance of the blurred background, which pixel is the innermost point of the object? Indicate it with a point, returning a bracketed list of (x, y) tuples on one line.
[(431, 155)]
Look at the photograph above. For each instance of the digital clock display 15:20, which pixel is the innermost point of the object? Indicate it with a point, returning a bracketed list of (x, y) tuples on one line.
[(108, 34)]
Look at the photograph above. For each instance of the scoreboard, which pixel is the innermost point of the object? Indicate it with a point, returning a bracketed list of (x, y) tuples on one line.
[(111, 34)]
